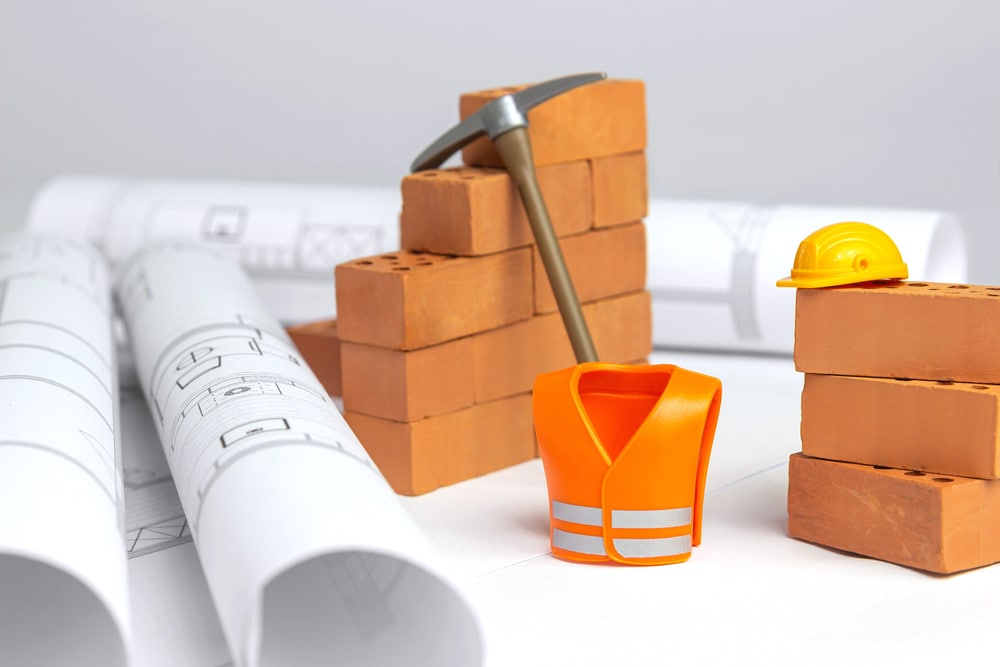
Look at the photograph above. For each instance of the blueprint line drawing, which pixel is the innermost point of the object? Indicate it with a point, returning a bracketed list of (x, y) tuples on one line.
[(60, 455), (744, 233), (272, 481), (287, 238)]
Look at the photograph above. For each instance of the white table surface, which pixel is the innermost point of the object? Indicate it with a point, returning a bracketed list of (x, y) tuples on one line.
[(749, 593)]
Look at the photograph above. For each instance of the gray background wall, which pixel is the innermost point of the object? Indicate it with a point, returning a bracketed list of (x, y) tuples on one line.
[(893, 102)]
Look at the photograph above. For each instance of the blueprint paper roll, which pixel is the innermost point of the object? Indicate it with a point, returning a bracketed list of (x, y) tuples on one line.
[(288, 238), (713, 266)]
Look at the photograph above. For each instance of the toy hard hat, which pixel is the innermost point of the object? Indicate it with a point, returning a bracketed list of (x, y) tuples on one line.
[(845, 253)]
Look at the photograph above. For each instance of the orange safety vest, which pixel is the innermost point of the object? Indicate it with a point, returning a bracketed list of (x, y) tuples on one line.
[(625, 451)]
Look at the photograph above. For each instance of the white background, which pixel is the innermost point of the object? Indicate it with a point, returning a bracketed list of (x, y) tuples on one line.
[(892, 103)]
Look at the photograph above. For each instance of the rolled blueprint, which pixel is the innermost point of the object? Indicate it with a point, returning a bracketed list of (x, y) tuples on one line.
[(309, 557), (713, 265), (288, 238), (63, 578)]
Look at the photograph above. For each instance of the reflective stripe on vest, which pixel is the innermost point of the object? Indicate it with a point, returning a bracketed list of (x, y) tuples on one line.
[(635, 547), (625, 450)]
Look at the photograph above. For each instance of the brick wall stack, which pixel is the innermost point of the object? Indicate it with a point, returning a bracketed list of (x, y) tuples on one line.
[(441, 341), (900, 423)]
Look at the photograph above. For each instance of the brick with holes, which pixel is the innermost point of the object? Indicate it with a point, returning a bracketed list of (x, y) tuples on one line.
[(928, 331), (602, 263), (604, 118), (930, 522), (408, 300), (417, 457), (944, 427), (320, 347), (477, 211)]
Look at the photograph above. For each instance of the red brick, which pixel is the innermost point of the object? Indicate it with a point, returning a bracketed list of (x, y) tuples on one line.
[(603, 118), (477, 211), (421, 456), (320, 347), (408, 386), (621, 192), (602, 263), (949, 428), (407, 300), (937, 523), (507, 360), (926, 331)]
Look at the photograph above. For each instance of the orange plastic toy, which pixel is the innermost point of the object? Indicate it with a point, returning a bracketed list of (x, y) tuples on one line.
[(625, 451)]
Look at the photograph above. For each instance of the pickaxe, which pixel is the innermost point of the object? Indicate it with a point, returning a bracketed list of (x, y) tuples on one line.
[(504, 120)]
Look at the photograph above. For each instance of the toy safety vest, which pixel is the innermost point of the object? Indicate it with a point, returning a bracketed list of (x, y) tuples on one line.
[(625, 451)]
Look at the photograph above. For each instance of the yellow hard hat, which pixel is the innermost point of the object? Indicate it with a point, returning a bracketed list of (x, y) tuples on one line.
[(845, 253)]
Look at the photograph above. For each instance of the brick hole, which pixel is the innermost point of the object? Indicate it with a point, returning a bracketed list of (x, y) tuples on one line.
[(993, 289), (881, 467), (958, 287), (915, 473), (400, 268), (390, 257), (981, 387), (943, 480), (364, 262), (933, 289), (416, 252), (918, 284), (425, 263), (992, 294)]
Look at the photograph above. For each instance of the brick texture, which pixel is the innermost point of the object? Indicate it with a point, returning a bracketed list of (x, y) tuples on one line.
[(927, 331), (477, 211), (937, 523), (320, 347), (421, 456), (949, 428), (601, 264), (604, 118), (621, 194), (406, 386), (408, 300)]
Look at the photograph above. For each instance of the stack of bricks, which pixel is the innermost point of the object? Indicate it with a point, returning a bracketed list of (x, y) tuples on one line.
[(441, 341), (900, 423)]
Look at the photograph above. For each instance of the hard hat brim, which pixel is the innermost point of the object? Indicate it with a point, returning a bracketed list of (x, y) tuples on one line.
[(801, 279)]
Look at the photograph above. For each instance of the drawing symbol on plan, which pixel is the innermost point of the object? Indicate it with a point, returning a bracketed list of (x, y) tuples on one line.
[(224, 224), (269, 240), (319, 247), (745, 231)]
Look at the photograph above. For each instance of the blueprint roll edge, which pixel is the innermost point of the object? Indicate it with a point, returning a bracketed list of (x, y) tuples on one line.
[(712, 266)]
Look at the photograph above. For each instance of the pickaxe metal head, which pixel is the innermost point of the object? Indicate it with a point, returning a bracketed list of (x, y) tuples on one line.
[(499, 116)]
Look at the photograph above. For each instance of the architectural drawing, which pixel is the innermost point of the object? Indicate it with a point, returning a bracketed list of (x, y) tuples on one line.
[(288, 238), (60, 466), (270, 477)]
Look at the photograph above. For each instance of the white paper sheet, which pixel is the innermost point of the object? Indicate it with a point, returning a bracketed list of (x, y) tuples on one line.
[(307, 552), (63, 581), (713, 265), (288, 238)]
